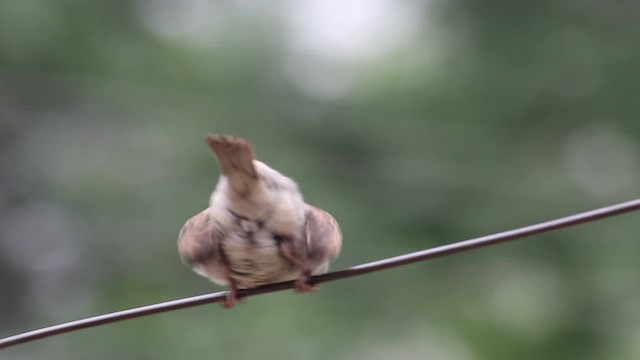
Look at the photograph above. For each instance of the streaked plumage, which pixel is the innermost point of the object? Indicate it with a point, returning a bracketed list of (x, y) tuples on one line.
[(257, 228)]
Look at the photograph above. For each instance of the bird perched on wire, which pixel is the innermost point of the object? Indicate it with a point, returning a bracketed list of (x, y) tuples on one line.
[(257, 229)]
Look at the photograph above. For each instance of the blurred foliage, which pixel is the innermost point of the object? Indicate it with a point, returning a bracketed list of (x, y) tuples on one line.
[(415, 123)]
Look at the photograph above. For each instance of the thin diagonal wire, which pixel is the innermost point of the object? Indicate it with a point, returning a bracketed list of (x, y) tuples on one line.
[(396, 261)]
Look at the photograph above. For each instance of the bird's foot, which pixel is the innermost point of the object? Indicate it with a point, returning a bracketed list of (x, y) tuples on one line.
[(232, 297), (230, 300), (304, 284)]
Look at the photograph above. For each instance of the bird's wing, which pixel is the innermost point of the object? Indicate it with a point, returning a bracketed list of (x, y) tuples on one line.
[(198, 241), (323, 236)]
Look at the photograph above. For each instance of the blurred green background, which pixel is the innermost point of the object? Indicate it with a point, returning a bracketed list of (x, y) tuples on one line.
[(415, 123)]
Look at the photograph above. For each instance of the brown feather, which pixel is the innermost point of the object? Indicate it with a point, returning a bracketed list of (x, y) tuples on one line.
[(235, 154), (324, 238), (196, 242)]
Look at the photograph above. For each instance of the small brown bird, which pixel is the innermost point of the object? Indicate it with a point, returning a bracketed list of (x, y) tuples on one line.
[(257, 229)]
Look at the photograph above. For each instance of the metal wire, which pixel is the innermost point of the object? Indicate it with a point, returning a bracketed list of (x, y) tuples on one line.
[(396, 261)]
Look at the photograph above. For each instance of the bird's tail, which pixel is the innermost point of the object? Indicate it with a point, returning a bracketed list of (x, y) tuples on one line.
[(236, 159)]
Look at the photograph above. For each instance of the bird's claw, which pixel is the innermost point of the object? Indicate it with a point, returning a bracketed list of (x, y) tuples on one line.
[(229, 301), (303, 284)]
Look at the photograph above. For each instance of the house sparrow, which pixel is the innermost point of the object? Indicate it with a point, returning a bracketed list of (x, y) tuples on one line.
[(257, 229)]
